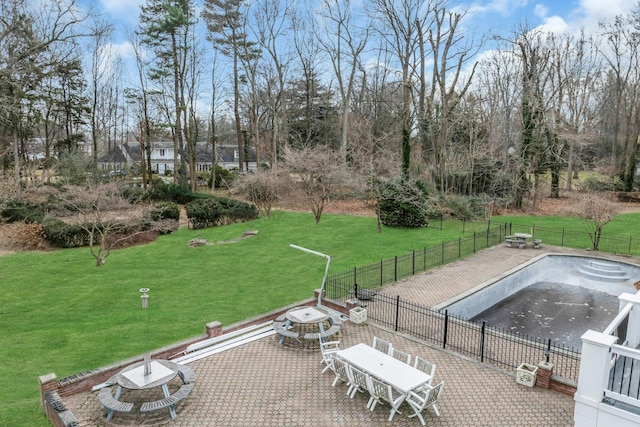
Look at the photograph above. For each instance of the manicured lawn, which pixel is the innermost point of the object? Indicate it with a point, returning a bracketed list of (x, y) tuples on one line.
[(59, 313)]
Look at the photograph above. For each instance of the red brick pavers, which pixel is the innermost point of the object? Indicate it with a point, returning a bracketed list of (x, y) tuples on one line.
[(264, 384)]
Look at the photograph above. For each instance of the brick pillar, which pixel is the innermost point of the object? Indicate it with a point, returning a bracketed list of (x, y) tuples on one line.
[(214, 329), (47, 383), (545, 369), (316, 294)]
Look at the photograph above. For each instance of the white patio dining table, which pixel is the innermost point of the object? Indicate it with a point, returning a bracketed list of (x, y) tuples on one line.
[(402, 376)]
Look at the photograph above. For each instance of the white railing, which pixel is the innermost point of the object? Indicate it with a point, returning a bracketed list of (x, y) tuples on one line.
[(608, 388), (623, 384)]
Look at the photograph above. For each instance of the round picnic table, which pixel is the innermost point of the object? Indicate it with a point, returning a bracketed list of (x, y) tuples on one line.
[(135, 377), (298, 324), (307, 315)]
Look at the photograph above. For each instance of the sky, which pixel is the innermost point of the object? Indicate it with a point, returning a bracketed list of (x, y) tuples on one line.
[(498, 14), (498, 17)]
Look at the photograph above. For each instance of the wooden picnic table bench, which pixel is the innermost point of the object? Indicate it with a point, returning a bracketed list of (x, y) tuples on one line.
[(112, 404), (168, 402)]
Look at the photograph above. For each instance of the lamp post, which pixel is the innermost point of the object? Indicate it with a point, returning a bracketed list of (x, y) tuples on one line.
[(326, 270), (144, 298)]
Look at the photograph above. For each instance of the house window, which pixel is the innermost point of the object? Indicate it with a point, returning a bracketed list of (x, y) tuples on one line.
[(235, 155), (162, 152)]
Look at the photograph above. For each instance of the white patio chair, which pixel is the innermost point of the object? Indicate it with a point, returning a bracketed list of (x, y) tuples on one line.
[(341, 370), (358, 381), (328, 349), (382, 345), (401, 355), (424, 398), (425, 366), (382, 392)]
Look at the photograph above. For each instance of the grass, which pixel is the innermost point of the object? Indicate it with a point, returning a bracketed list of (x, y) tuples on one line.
[(59, 313)]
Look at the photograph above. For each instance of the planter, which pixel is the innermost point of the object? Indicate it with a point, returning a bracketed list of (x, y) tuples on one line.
[(358, 315), (526, 374)]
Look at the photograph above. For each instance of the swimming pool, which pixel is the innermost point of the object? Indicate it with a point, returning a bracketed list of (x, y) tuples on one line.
[(555, 296)]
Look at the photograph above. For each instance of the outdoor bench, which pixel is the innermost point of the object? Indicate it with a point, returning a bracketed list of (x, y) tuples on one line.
[(111, 404), (187, 374), (536, 243), (182, 392)]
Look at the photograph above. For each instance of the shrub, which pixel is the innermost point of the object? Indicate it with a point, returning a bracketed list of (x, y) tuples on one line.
[(466, 207), (164, 210), (405, 204), (25, 236), (224, 177), (22, 212), (64, 235), (217, 211), (159, 191)]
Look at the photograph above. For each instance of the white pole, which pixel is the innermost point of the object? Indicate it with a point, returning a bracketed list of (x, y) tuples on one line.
[(326, 270)]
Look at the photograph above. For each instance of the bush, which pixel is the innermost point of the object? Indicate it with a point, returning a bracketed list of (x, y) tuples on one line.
[(224, 177), (161, 192), (405, 204), (64, 235), (217, 211), (465, 207), (24, 236), (22, 212), (164, 210)]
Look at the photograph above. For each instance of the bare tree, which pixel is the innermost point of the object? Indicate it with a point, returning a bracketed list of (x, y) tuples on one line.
[(440, 99), (106, 217), (262, 188), (28, 47), (344, 49), (597, 212), (273, 21), (320, 174), (400, 23), (99, 75)]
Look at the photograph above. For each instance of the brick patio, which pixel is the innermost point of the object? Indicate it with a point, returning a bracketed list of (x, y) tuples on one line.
[(262, 383)]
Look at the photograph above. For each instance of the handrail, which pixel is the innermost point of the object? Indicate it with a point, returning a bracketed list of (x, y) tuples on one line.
[(618, 319)]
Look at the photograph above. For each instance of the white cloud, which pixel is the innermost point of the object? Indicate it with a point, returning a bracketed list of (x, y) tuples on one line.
[(555, 24), (124, 10), (503, 7), (540, 10)]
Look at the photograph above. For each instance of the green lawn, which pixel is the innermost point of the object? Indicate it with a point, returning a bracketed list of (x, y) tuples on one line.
[(59, 313)]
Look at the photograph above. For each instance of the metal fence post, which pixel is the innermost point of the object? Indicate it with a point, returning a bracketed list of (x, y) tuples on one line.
[(446, 328), (395, 268), (397, 311), (459, 247), (381, 279), (482, 341), (474, 242), (442, 263), (413, 263)]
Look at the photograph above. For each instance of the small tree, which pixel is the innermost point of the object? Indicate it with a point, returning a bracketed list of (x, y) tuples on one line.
[(597, 211), (262, 189), (108, 218), (321, 175)]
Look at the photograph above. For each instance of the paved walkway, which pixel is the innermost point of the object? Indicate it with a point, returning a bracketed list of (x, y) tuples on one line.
[(262, 383)]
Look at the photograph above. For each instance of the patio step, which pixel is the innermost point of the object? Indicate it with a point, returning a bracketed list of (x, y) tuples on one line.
[(603, 271)]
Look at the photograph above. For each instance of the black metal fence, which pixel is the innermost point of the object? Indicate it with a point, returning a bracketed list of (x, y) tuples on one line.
[(477, 340), (345, 285), (620, 245), (487, 344)]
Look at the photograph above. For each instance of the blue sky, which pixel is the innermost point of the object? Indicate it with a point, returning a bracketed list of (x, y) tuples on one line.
[(503, 16)]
